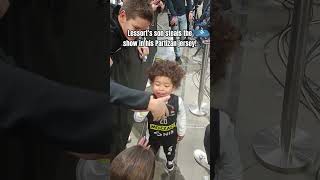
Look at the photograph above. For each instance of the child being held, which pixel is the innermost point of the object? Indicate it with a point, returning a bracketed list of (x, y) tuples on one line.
[(165, 78)]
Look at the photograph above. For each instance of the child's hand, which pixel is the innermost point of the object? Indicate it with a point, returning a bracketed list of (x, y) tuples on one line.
[(179, 138)]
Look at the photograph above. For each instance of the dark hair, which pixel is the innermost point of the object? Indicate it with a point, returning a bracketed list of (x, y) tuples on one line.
[(226, 38), (168, 69), (138, 8), (133, 163)]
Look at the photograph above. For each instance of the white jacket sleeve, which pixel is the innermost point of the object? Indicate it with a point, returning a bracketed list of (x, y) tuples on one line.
[(181, 119), (140, 116)]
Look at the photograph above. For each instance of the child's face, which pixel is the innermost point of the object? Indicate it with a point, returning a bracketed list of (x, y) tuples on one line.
[(135, 24), (162, 86)]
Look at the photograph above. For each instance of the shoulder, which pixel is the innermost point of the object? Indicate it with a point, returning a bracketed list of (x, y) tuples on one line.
[(180, 99)]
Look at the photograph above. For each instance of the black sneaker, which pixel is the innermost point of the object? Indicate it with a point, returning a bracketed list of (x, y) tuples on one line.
[(169, 165), (178, 60)]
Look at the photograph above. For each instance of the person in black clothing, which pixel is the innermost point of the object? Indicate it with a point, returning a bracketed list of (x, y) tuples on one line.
[(38, 111), (129, 70), (178, 20), (134, 15)]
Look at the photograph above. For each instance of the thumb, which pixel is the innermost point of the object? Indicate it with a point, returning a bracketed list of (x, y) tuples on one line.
[(140, 50)]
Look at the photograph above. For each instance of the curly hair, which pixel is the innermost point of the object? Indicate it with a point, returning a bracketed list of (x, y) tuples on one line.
[(226, 38), (168, 69)]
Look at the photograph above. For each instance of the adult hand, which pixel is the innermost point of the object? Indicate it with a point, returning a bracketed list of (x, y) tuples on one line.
[(190, 16), (143, 51), (111, 62), (174, 21), (155, 4), (161, 5), (158, 107), (144, 143)]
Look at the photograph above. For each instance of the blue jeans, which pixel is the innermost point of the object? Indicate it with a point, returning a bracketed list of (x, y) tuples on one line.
[(181, 25)]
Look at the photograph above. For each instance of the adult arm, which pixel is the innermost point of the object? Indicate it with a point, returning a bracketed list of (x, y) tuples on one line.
[(74, 119), (134, 99)]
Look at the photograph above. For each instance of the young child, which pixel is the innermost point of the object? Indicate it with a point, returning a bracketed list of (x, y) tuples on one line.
[(165, 78)]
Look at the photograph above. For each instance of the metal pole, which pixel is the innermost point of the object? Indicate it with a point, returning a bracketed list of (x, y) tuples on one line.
[(285, 148), (204, 67), (294, 76), (199, 109)]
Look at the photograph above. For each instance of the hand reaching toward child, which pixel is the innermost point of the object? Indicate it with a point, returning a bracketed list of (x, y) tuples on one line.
[(144, 143)]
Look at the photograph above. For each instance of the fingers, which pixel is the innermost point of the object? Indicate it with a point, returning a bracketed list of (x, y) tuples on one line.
[(144, 142), (157, 117), (143, 51), (140, 142), (111, 62), (166, 112), (164, 99), (172, 23), (146, 51)]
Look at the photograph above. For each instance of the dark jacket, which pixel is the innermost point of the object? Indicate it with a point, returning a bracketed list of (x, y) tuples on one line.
[(40, 119), (116, 36), (75, 119), (62, 41), (119, 94), (129, 71), (178, 7)]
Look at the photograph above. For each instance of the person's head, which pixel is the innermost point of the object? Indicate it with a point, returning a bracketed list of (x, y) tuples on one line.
[(165, 77), (136, 162), (135, 15), (226, 38)]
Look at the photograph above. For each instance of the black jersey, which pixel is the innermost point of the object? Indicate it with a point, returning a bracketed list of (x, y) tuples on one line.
[(167, 127)]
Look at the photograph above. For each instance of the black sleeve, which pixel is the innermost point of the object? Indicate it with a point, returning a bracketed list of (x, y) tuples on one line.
[(74, 119), (171, 7), (189, 6), (131, 98)]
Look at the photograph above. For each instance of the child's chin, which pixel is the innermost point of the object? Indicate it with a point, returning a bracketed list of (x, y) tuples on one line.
[(160, 96)]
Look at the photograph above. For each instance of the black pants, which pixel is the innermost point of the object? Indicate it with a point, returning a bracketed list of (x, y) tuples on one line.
[(168, 148)]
